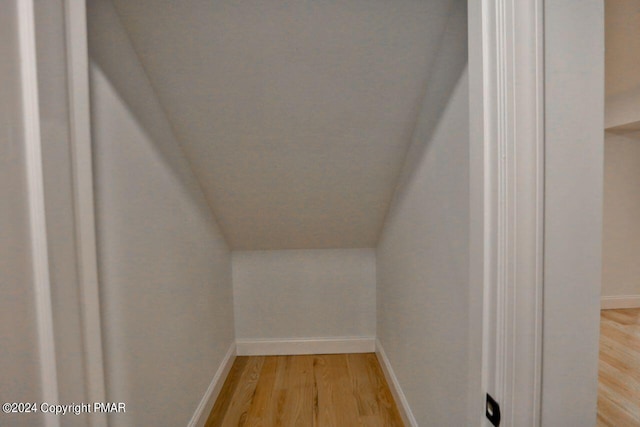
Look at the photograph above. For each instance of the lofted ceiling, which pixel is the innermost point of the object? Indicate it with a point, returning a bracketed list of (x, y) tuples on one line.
[(622, 51), (294, 114)]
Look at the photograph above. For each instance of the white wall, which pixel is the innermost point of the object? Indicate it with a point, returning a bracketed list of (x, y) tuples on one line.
[(324, 293), (19, 364), (165, 269), (422, 256), (621, 216), (574, 123)]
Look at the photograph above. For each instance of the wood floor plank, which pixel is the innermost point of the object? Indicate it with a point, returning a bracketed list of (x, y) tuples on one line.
[(336, 390), (619, 368), (375, 403), (298, 408), (364, 393), (326, 390), (242, 398), (622, 316), (226, 394), (387, 409), (336, 403), (261, 413)]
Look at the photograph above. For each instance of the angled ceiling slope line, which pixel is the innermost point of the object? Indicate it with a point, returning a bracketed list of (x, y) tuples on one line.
[(295, 115)]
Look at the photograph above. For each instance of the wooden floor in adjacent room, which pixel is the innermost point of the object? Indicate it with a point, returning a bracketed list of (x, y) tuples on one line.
[(619, 369), (338, 390)]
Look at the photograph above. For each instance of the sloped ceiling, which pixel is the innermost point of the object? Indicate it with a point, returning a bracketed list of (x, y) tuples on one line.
[(622, 46), (295, 114)]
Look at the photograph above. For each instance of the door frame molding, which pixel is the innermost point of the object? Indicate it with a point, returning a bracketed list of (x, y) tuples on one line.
[(506, 56), (40, 268), (77, 61), (80, 142)]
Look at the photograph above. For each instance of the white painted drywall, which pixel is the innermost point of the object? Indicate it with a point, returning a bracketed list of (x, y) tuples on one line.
[(325, 293), (296, 115), (574, 123), (165, 269), (422, 256), (19, 364), (621, 216)]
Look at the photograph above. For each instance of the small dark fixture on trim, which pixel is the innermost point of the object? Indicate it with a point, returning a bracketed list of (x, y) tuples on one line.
[(493, 410)]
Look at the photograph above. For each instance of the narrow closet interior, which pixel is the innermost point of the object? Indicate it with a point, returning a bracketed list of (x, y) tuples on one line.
[(281, 177)]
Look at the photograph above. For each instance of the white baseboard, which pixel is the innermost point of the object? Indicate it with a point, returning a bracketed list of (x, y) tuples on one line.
[(205, 406), (277, 347), (620, 301), (396, 391)]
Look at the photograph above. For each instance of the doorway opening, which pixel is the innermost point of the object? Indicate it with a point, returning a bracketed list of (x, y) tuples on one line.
[(619, 362)]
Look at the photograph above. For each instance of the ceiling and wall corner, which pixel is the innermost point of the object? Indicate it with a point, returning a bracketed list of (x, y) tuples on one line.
[(295, 116)]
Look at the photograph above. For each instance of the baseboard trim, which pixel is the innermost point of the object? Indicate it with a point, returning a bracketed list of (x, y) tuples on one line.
[(205, 406), (394, 385), (620, 301), (279, 347)]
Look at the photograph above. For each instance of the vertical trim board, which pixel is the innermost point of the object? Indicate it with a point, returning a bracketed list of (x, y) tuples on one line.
[(513, 123), (37, 220), (478, 219), (83, 198)]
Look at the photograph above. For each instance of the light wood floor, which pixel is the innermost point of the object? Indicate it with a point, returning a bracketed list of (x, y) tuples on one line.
[(340, 390), (619, 369)]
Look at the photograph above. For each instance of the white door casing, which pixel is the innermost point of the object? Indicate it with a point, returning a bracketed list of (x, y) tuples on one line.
[(80, 131), (78, 99), (37, 221), (507, 172)]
